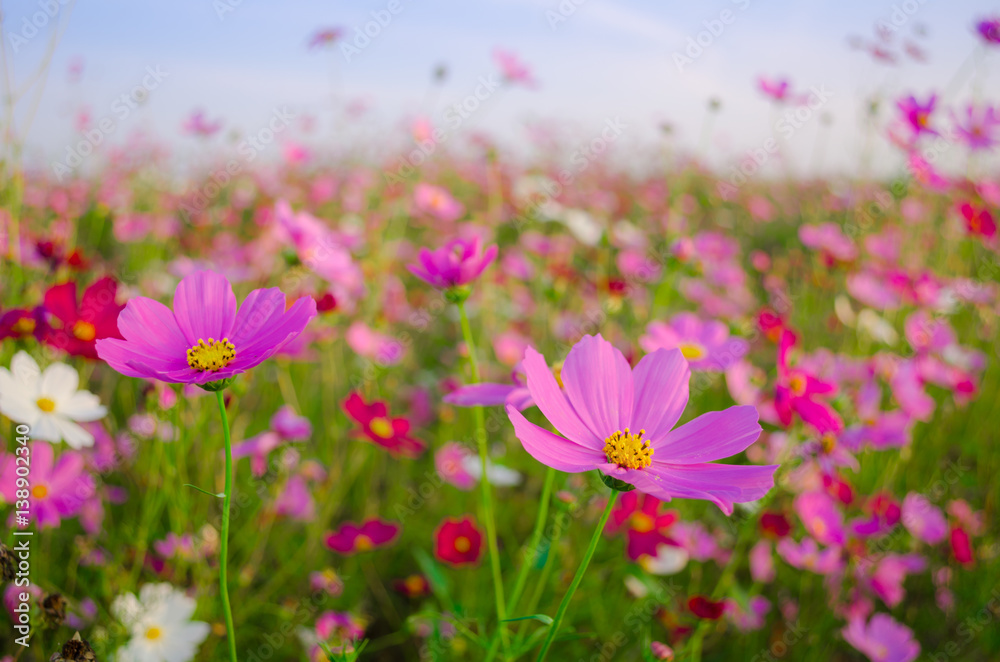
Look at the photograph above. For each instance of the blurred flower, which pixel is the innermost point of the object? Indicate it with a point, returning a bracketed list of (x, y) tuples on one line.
[(978, 222), (76, 327), (458, 542), (831, 240), (392, 434), (48, 402), (171, 345), (917, 114), (821, 518), (59, 489), (457, 263), (661, 651), (437, 203), (645, 521), (159, 623), (705, 344), (351, 538), (706, 608), (326, 580), (325, 37), (604, 399), (22, 323), (777, 89), (414, 586), (797, 390), (488, 394), (882, 639), (978, 130), (198, 125), (989, 30), (924, 520), (807, 555), (512, 68), (286, 426)]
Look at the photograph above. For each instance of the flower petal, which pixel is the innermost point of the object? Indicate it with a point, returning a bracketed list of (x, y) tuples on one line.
[(722, 484), (598, 383), (551, 450), (151, 326), (661, 393), (58, 382), (550, 399), (205, 306), (711, 436)]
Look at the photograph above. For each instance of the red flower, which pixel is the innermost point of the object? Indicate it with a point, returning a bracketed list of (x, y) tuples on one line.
[(21, 323), (644, 521), (978, 221), (76, 327), (458, 542), (775, 524), (351, 538), (391, 434), (414, 586), (961, 546), (702, 607)]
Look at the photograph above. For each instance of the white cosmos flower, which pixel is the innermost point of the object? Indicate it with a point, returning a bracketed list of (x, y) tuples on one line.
[(159, 621), (48, 402), (669, 560), (499, 476)]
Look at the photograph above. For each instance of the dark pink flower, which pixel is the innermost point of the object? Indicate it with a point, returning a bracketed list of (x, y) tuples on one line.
[(457, 263), (882, 639), (352, 538)]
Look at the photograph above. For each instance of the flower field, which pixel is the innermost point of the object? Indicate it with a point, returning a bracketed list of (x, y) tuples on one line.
[(483, 407)]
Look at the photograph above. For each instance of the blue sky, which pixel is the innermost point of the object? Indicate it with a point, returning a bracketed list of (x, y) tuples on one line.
[(606, 60)]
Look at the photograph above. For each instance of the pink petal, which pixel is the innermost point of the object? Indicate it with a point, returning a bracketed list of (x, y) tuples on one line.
[(550, 399), (151, 326), (661, 393), (722, 484), (711, 436), (552, 450), (205, 306), (598, 383)]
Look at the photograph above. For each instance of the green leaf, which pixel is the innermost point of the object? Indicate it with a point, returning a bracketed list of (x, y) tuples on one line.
[(542, 618)]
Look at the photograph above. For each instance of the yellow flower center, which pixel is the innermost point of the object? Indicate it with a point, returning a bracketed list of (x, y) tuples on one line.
[(24, 326), (39, 491), (47, 405), (819, 527), (84, 331), (154, 633), (381, 427), (363, 543), (692, 351), (627, 450), (829, 442), (462, 544), (212, 356), (797, 383), (414, 583), (642, 523)]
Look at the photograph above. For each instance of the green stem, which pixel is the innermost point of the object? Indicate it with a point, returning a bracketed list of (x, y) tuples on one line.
[(484, 483), (530, 554), (224, 552), (564, 605)]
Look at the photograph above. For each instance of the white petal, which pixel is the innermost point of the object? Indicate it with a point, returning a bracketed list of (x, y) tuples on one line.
[(59, 381), (45, 428), (75, 436), (26, 372), (19, 409), (82, 406)]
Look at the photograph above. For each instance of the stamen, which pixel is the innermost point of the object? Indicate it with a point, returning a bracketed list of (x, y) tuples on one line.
[(211, 356), (627, 450)]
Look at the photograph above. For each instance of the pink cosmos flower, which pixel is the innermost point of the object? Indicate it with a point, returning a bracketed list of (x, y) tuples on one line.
[(882, 639), (437, 203), (752, 617), (295, 500), (204, 339), (978, 130), (457, 263), (351, 538), (198, 125), (378, 427), (488, 394), (925, 173), (924, 520), (384, 350), (978, 221), (821, 517), (450, 463), (59, 489), (807, 555), (512, 68), (705, 344), (917, 114), (887, 579), (286, 426), (797, 391), (325, 37), (762, 562), (645, 521), (831, 240), (777, 89), (604, 400)]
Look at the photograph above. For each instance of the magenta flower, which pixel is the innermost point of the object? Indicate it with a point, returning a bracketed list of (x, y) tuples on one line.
[(704, 343), (351, 538), (989, 30), (807, 555), (59, 489), (286, 426), (822, 519), (457, 263), (777, 89), (882, 639), (797, 392), (889, 574), (917, 114), (978, 129), (204, 339), (512, 68), (619, 420), (831, 240), (198, 125)]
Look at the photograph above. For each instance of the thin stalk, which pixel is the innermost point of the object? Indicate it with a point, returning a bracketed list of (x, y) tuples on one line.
[(484, 482), (564, 605), (224, 553)]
